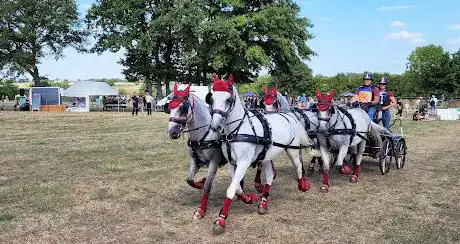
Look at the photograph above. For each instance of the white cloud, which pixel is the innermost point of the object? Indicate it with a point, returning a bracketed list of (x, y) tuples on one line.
[(454, 27), (397, 24), (455, 41), (395, 7), (405, 35), (418, 40)]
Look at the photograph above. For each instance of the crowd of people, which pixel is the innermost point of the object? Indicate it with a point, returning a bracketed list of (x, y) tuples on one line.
[(146, 102)]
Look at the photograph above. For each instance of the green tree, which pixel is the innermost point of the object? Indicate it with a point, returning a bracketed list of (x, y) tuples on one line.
[(31, 30), (429, 66), (8, 89)]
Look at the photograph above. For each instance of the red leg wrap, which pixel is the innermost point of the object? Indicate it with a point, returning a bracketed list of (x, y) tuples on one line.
[(226, 209), (304, 184), (357, 170), (204, 202), (249, 198), (326, 178), (346, 169), (267, 190)]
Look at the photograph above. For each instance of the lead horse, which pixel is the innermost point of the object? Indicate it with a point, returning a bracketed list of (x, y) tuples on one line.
[(343, 131), (204, 148), (249, 138)]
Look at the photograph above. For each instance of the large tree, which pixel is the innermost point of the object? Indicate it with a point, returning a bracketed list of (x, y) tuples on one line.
[(31, 30), (429, 65)]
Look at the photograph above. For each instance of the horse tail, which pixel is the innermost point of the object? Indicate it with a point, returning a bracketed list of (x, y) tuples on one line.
[(380, 129), (304, 138), (375, 132)]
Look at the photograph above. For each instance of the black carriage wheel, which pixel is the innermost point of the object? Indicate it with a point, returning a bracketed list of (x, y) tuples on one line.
[(400, 154), (385, 157)]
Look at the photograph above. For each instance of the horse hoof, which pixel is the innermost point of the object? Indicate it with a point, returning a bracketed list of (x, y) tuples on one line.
[(259, 187), (354, 179), (346, 170), (198, 214), (263, 207), (219, 226), (304, 184), (324, 189)]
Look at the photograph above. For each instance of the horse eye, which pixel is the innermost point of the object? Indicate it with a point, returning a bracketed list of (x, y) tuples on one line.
[(229, 100)]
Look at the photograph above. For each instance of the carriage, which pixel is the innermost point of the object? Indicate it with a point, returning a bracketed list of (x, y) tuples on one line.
[(392, 147)]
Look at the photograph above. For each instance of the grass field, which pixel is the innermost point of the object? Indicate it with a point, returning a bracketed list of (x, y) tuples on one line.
[(111, 177)]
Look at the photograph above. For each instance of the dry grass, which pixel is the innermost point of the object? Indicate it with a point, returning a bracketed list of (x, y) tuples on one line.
[(111, 177)]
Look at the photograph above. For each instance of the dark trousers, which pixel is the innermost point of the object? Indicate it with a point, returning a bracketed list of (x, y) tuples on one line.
[(135, 108), (149, 108)]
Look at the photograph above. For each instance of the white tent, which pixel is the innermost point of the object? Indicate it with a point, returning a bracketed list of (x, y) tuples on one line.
[(199, 91), (85, 89)]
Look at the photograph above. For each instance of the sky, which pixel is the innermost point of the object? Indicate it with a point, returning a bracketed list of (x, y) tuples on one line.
[(350, 36)]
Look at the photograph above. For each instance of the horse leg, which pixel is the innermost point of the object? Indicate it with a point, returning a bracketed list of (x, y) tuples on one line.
[(326, 157), (303, 183), (269, 177), (311, 167), (191, 176), (344, 168), (359, 157), (234, 188), (257, 181), (200, 213)]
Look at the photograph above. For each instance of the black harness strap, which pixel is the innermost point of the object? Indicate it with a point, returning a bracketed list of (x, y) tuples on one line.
[(203, 145), (346, 131)]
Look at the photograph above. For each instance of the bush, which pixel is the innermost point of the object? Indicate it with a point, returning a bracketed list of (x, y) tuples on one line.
[(8, 89)]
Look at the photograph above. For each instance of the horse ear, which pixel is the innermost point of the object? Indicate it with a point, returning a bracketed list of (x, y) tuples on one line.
[(333, 93), (187, 90), (175, 88), (215, 78), (266, 89), (317, 92), (231, 80)]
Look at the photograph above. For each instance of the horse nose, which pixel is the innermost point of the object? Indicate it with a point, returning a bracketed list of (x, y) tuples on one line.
[(174, 134)]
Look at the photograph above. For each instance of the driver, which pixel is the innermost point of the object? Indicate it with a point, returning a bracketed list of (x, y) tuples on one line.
[(367, 95)]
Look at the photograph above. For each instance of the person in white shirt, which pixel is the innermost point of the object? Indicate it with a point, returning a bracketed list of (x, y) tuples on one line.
[(148, 100)]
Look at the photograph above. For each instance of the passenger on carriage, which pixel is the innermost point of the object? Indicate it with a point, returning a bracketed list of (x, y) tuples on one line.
[(368, 96), (387, 101)]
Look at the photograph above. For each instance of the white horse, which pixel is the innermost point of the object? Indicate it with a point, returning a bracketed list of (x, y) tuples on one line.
[(275, 102), (340, 130), (204, 148), (249, 139)]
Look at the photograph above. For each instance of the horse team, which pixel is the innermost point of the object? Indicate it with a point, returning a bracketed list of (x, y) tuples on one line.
[(230, 134)]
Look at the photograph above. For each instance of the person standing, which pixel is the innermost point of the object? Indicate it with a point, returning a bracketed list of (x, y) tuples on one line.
[(148, 100), (135, 100), (433, 104), (387, 101)]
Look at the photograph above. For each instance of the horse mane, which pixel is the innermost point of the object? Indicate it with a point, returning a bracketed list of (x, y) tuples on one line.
[(283, 103)]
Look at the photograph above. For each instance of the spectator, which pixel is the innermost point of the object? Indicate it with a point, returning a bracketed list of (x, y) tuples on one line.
[(433, 104), (148, 100), (135, 100)]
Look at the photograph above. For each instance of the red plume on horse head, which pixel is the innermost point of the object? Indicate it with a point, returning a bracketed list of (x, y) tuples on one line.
[(221, 85), (266, 89), (179, 96)]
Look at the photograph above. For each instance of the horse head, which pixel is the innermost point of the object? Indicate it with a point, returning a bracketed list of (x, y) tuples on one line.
[(270, 99), (181, 111), (325, 106), (223, 100)]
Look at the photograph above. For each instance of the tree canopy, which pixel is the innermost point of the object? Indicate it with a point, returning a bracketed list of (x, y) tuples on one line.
[(31, 30), (189, 40)]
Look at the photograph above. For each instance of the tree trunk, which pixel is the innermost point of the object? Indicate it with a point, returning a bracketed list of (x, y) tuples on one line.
[(35, 76), (148, 85), (167, 87), (159, 91)]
